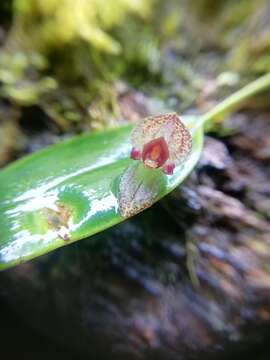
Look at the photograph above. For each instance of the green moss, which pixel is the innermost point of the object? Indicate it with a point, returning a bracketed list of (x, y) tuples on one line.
[(65, 55), (45, 25)]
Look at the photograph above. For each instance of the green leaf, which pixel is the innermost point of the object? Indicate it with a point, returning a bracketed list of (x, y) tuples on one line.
[(70, 191)]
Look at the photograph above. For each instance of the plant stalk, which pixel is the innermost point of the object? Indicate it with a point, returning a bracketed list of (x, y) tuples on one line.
[(235, 100)]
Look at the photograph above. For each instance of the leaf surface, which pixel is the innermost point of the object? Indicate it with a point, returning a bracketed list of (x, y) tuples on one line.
[(70, 191)]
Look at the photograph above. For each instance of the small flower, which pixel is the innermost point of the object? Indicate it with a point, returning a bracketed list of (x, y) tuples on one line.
[(161, 142)]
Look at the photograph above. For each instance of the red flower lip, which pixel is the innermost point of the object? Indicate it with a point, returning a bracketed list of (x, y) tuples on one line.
[(155, 153)]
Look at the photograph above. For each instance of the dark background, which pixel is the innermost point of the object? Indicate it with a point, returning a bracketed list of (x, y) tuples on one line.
[(20, 341)]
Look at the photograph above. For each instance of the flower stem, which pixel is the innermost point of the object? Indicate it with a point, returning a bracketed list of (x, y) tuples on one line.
[(235, 100)]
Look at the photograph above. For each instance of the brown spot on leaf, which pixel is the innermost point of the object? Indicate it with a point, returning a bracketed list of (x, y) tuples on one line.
[(58, 220)]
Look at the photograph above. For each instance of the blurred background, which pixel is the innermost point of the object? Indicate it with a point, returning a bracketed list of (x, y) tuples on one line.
[(68, 67)]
